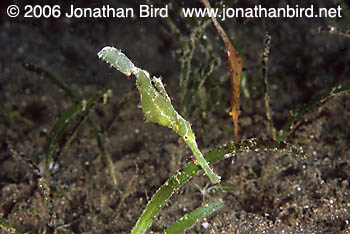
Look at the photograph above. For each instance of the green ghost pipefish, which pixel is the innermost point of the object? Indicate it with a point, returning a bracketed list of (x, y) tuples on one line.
[(156, 104)]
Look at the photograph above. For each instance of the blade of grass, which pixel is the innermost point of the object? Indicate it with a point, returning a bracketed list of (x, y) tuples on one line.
[(189, 219), (43, 185), (46, 75), (62, 123), (319, 100), (186, 66), (335, 31), (265, 69), (267, 170), (104, 152), (176, 181), (116, 111)]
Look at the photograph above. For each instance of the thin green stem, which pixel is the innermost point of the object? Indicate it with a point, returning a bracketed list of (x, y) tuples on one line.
[(189, 219), (202, 162)]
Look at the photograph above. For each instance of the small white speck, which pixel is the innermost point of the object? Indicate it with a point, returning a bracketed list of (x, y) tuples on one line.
[(205, 225), (297, 187)]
